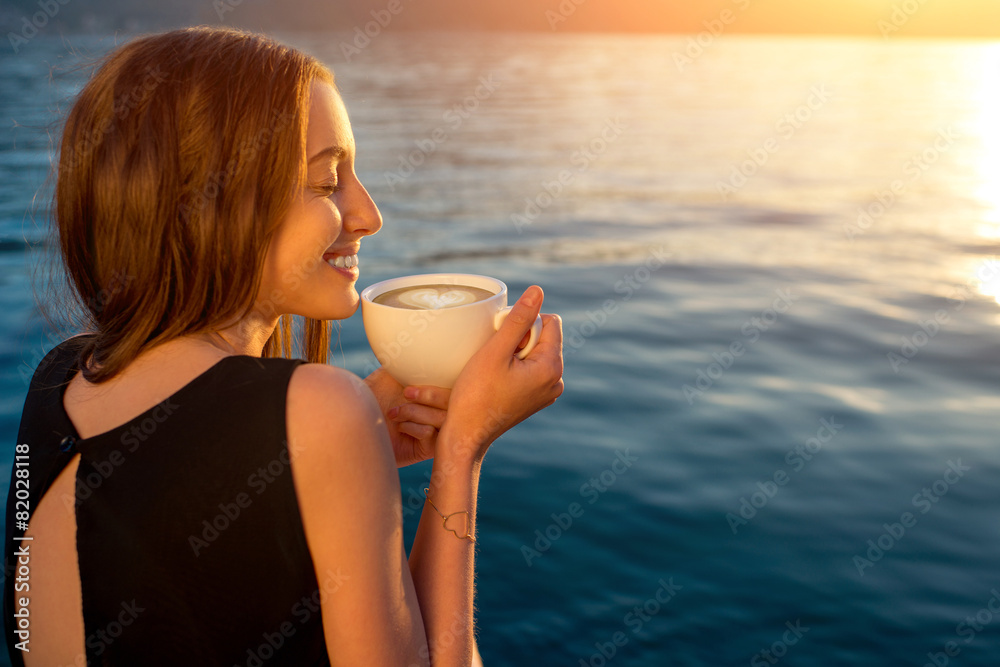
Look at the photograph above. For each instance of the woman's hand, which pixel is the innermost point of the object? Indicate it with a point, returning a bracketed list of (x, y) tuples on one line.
[(413, 416), (496, 390)]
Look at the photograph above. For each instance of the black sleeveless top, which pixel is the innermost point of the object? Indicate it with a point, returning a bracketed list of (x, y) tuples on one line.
[(189, 539)]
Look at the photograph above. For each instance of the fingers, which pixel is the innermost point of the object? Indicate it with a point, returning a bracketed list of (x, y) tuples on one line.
[(519, 321), (418, 414), (552, 333), (419, 439), (422, 418), (435, 397), (381, 382), (421, 432), (548, 353)]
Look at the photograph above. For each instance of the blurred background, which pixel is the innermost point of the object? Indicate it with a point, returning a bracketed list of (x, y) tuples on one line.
[(772, 229)]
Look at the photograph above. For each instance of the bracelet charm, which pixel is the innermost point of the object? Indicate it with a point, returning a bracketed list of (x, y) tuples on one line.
[(466, 533)]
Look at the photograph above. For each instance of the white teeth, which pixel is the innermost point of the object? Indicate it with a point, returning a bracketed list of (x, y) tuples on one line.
[(343, 262)]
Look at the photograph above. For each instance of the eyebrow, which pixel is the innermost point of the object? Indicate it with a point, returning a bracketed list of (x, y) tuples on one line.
[(331, 153)]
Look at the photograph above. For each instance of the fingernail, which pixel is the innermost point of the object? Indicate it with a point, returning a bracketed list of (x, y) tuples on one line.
[(411, 393), (392, 413), (531, 297)]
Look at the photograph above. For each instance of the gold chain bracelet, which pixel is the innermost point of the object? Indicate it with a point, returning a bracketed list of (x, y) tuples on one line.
[(445, 517)]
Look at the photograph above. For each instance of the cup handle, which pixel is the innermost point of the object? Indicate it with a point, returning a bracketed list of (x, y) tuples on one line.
[(536, 331)]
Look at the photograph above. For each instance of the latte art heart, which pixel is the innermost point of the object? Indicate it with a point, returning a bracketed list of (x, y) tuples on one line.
[(433, 297)]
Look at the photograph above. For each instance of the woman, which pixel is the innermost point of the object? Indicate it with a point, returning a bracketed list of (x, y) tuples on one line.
[(194, 499)]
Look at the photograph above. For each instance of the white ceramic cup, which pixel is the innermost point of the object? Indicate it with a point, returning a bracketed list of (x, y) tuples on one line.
[(432, 346)]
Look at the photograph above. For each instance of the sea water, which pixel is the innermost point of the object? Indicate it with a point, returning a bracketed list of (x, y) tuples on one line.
[(776, 268)]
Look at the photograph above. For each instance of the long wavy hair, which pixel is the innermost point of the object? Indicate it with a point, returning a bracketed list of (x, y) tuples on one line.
[(178, 161)]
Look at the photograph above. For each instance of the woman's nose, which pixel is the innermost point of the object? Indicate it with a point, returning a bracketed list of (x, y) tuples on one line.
[(362, 215)]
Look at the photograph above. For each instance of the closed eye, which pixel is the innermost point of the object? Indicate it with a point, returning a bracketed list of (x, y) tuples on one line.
[(326, 190)]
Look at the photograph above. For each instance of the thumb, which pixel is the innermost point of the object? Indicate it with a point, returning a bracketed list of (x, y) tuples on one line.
[(519, 320)]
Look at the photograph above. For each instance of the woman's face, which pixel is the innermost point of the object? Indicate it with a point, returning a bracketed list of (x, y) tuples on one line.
[(312, 262)]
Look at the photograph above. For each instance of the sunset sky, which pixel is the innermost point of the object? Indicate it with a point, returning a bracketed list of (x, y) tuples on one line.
[(959, 18), (877, 18)]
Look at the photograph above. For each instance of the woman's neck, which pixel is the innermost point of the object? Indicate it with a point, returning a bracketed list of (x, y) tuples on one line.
[(246, 337)]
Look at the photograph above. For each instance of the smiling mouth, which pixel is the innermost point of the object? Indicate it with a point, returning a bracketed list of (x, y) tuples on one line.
[(343, 261)]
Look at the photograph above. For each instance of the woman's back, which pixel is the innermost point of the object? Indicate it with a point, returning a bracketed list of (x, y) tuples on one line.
[(173, 520)]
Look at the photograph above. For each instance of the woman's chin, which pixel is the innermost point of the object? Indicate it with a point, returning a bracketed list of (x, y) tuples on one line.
[(336, 309), (322, 304)]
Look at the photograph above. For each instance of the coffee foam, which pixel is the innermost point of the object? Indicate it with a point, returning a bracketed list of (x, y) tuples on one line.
[(433, 297)]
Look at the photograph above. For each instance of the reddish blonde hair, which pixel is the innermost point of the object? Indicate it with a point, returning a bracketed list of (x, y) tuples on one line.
[(178, 161)]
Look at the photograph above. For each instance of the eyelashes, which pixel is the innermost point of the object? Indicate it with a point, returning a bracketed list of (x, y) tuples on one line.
[(327, 189)]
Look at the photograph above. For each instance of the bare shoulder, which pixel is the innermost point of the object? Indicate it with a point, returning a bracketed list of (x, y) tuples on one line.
[(334, 422), (315, 385)]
